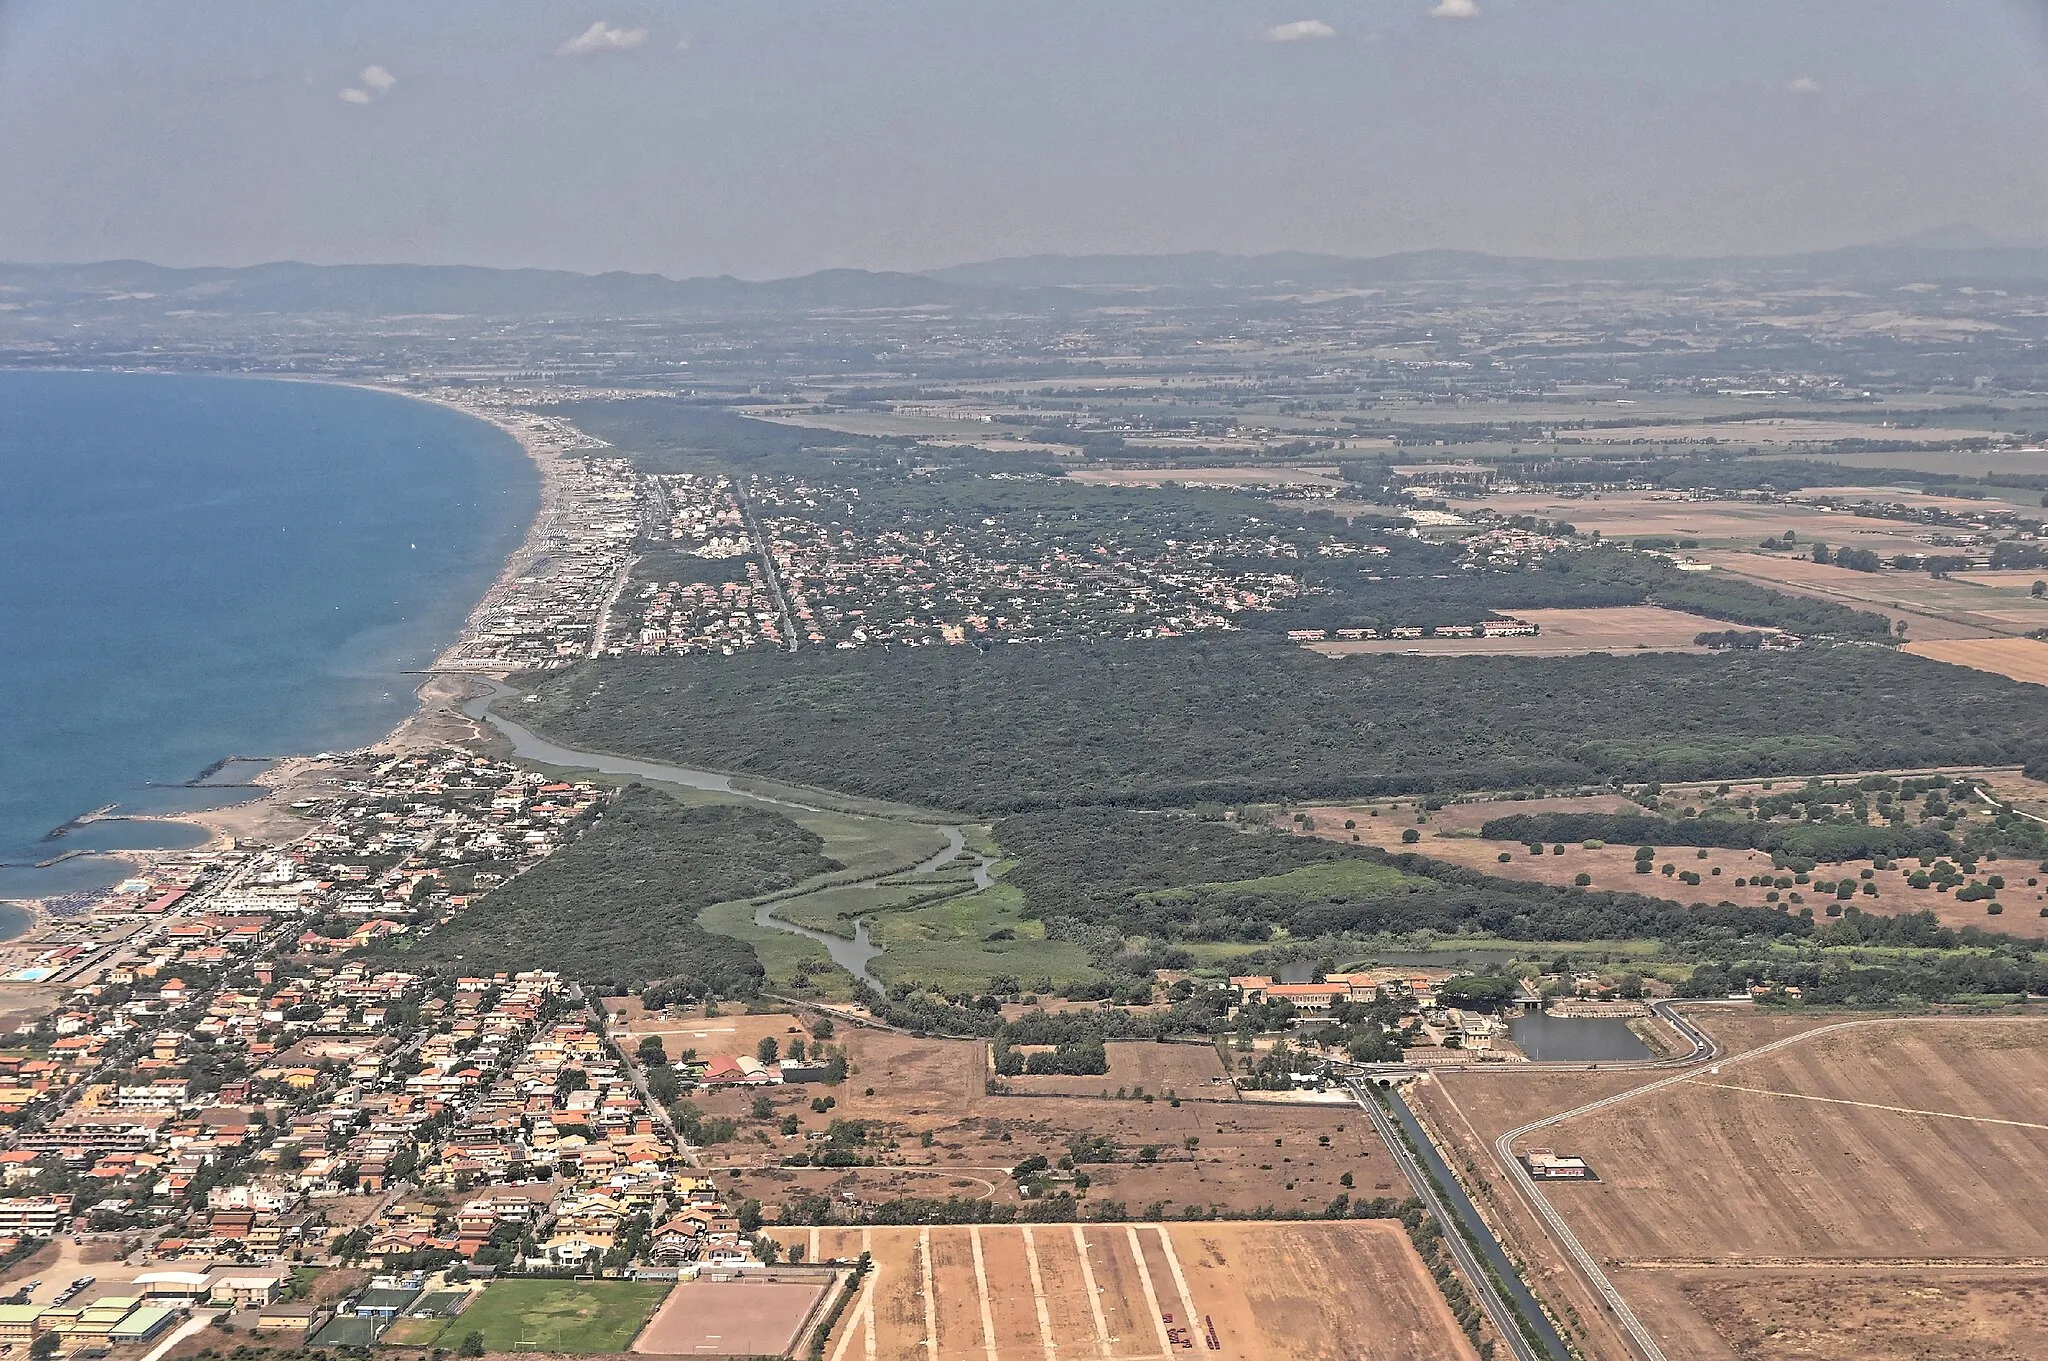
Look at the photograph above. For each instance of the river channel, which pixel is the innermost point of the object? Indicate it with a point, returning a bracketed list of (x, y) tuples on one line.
[(849, 953)]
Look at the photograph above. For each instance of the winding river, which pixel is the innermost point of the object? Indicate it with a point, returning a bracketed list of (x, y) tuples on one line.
[(851, 954)]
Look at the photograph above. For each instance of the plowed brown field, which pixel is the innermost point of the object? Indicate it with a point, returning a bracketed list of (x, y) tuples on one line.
[(1880, 1191), (1270, 1292), (1921, 1139)]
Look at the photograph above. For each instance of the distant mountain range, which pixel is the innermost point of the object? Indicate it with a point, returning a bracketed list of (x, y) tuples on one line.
[(1948, 256)]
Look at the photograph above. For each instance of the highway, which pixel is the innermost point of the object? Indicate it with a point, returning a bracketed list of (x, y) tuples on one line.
[(1497, 1309)]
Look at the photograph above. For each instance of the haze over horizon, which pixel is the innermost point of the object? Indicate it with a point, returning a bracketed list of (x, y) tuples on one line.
[(770, 140)]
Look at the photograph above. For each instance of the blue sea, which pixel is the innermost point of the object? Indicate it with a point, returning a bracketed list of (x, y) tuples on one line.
[(193, 568)]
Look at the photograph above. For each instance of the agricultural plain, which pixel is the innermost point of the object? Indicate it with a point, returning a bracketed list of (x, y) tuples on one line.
[(932, 1128), (1891, 1159), (1665, 514), (1143, 1292), (1899, 1141), (1744, 877), (2022, 659)]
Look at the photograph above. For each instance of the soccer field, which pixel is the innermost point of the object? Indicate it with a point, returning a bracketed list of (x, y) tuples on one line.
[(557, 1316)]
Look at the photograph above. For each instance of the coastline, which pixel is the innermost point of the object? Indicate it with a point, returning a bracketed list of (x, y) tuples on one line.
[(436, 718)]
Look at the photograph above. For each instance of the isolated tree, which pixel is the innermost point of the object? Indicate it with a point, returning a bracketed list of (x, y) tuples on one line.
[(768, 1050)]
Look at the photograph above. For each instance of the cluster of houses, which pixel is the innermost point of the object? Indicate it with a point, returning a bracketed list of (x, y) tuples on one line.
[(1506, 626), (228, 1086), (280, 1109), (855, 574), (725, 611), (1431, 1030), (703, 515), (547, 611), (421, 832), (704, 616)]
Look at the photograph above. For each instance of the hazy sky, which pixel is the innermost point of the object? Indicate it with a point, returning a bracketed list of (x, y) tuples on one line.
[(768, 137)]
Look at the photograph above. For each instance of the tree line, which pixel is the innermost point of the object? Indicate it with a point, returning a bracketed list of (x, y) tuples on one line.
[(1826, 843)]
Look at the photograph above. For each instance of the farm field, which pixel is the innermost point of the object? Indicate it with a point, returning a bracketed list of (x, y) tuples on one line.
[(2022, 659), (1269, 1292), (1963, 605), (1902, 1140), (1452, 834), (731, 1033), (1188, 1070), (1563, 633), (1830, 1315), (753, 1316), (1828, 1189), (1773, 432), (1626, 515), (1246, 1154), (556, 1316)]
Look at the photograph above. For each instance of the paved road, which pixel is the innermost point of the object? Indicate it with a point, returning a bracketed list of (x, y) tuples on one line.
[(768, 569), (637, 1073), (1496, 1308)]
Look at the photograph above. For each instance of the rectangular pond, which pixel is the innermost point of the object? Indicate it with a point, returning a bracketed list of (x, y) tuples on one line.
[(1575, 1039)]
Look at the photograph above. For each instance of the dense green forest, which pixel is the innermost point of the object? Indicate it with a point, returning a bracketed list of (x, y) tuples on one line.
[(670, 435), (1230, 719), (1103, 875), (619, 904), (1426, 584), (1825, 842)]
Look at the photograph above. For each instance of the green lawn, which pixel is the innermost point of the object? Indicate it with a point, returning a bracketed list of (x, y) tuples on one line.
[(947, 945), (557, 1316), (834, 910)]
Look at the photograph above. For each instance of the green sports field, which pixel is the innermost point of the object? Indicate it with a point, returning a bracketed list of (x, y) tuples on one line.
[(556, 1316)]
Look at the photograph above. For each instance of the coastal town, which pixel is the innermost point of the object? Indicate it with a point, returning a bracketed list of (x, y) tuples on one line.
[(623, 561), (239, 1089)]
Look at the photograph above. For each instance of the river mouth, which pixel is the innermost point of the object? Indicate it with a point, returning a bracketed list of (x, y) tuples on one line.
[(851, 953)]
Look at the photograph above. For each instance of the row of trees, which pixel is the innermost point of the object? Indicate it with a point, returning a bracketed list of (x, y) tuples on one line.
[(1823, 842)]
